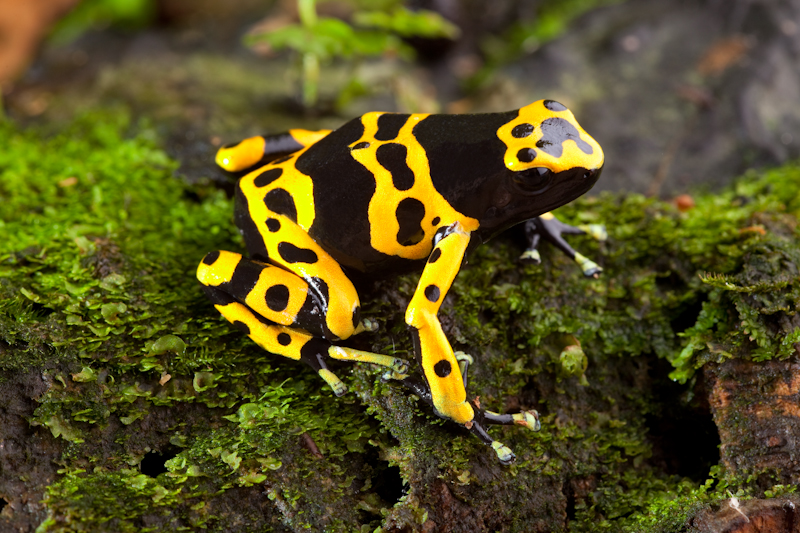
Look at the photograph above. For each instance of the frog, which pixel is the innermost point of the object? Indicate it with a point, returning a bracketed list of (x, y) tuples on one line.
[(384, 194)]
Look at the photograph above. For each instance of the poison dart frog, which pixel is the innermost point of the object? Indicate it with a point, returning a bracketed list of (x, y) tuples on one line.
[(388, 192)]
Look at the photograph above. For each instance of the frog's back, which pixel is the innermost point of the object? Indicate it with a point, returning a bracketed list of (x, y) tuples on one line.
[(385, 182)]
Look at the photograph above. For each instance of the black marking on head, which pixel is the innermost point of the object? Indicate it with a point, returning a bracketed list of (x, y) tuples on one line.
[(211, 258), (252, 236), (392, 157), (410, 213), (443, 368), (356, 316), (526, 155), (435, 221), (241, 326), (458, 145), (283, 159), (293, 254), (280, 201), (437, 253), (267, 177), (284, 339), (521, 131), (218, 296), (389, 126), (277, 298), (432, 293), (273, 224), (552, 105), (557, 130), (361, 146)]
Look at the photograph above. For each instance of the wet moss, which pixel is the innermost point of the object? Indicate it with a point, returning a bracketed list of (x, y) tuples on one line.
[(174, 421)]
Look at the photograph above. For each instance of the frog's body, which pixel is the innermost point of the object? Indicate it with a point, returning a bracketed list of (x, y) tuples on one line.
[(387, 192)]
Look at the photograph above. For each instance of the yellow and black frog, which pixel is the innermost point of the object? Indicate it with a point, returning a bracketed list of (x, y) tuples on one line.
[(389, 192)]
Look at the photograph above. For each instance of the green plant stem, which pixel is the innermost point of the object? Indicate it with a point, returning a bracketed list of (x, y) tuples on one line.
[(310, 79), (308, 12)]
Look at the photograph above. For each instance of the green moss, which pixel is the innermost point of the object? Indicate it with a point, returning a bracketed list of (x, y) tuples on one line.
[(97, 293)]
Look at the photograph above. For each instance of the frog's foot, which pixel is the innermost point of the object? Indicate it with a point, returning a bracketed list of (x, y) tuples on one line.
[(549, 228), (368, 325), (528, 419), (477, 427)]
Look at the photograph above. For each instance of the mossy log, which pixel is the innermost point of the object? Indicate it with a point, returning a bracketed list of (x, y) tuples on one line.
[(130, 405)]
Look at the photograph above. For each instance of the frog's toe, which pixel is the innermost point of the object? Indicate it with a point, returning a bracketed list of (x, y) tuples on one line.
[(369, 325), (400, 368), (504, 453), (530, 257), (336, 384), (597, 231), (589, 267), (529, 419)]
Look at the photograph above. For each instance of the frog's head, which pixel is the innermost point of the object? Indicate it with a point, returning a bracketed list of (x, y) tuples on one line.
[(549, 159)]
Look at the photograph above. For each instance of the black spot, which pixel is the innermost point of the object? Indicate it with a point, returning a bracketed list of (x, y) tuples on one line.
[(392, 157), (521, 131), (273, 224), (437, 253), (356, 316), (277, 298), (241, 326), (211, 258), (281, 202), (267, 177), (443, 368), (154, 462), (435, 221), (410, 213), (557, 130), (292, 254), (389, 126), (552, 105), (361, 145), (284, 339), (432, 292), (283, 159), (526, 155)]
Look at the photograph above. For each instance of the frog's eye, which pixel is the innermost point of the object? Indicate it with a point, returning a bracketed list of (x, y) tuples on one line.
[(534, 180)]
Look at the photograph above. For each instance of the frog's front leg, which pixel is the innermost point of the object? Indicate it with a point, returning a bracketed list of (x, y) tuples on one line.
[(549, 228), (444, 384)]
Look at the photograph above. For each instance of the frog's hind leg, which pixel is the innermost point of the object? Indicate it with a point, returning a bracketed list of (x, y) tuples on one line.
[(276, 309), (260, 150)]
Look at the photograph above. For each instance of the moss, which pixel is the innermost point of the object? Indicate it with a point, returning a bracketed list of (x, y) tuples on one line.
[(97, 291)]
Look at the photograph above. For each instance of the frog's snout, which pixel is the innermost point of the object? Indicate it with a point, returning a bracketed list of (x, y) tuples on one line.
[(591, 176)]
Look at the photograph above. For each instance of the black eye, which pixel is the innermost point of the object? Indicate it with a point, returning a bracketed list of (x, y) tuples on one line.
[(534, 180)]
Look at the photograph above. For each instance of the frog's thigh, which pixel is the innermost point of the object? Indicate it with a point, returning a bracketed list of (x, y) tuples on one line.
[(333, 294), (268, 292)]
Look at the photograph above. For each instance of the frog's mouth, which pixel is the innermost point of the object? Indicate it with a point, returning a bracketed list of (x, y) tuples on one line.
[(519, 202)]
